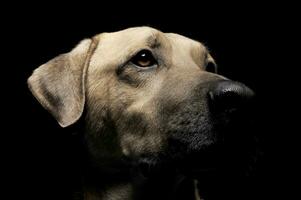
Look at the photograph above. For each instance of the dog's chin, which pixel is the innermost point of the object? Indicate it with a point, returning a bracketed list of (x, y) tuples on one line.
[(155, 166), (187, 168), (213, 159), (193, 164), (208, 160)]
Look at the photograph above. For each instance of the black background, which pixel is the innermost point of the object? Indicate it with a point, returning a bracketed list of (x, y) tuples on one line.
[(246, 40)]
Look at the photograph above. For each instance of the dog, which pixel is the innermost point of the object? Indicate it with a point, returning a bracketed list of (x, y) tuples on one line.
[(150, 105)]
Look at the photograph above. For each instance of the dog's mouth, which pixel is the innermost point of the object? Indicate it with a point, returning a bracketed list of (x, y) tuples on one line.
[(195, 157), (206, 161), (155, 167), (212, 160)]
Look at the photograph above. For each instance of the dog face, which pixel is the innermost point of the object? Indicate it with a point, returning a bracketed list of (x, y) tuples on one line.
[(146, 94)]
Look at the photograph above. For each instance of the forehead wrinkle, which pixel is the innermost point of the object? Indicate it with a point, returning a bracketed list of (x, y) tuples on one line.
[(146, 38), (153, 40)]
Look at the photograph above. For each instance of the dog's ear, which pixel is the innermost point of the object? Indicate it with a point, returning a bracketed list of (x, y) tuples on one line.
[(59, 85)]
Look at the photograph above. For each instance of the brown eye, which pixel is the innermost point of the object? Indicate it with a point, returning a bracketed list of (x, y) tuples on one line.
[(144, 58)]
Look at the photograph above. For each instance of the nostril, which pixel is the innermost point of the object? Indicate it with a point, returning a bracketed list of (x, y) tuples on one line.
[(228, 95)]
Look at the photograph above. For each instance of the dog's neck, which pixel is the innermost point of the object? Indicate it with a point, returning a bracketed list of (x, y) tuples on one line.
[(136, 187), (119, 180)]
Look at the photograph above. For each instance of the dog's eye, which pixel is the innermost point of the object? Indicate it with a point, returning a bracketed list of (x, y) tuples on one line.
[(144, 58), (211, 67)]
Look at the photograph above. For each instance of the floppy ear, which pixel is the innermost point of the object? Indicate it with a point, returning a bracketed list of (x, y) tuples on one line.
[(59, 85)]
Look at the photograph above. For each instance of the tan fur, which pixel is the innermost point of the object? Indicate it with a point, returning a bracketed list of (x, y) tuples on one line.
[(88, 76)]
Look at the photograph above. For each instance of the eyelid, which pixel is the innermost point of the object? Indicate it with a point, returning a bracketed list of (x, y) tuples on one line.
[(129, 57), (129, 60), (134, 53)]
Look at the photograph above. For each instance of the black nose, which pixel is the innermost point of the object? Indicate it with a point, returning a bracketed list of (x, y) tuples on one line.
[(229, 95)]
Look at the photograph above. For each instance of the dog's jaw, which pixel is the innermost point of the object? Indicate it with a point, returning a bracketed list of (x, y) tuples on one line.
[(136, 186)]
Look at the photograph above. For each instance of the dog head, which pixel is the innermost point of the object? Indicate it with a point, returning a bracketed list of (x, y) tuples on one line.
[(143, 94)]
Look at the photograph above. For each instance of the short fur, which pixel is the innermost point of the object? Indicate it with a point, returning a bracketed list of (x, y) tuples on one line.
[(132, 115)]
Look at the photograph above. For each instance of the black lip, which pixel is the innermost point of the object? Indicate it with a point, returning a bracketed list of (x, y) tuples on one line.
[(155, 166), (198, 164), (207, 160)]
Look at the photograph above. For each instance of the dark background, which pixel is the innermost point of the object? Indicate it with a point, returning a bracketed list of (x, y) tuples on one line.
[(247, 42)]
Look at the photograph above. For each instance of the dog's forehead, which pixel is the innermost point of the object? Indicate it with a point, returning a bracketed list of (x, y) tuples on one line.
[(187, 47), (137, 33), (117, 47), (149, 36), (131, 37), (183, 41)]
